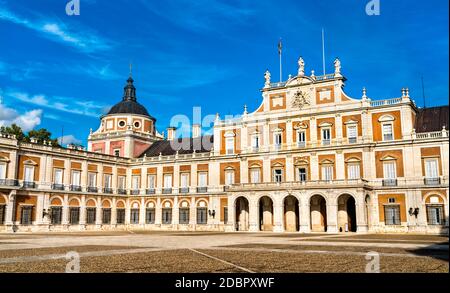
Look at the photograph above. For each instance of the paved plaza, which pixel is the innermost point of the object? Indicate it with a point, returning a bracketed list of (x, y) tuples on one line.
[(184, 252)]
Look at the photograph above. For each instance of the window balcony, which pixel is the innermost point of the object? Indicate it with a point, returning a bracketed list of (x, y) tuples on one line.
[(29, 184), (108, 190), (301, 144), (150, 191), (352, 140), (135, 192), (92, 189), (9, 182), (121, 191), (57, 186), (326, 142), (202, 189), (167, 191), (389, 182), (226, 187), (432, 181), (75, 188), (184, 189)]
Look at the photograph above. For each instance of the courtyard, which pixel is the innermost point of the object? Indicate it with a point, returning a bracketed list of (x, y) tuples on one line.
[(209, 252)]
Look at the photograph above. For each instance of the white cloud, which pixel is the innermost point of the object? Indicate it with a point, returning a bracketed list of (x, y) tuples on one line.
[(78, 38), (63, 104), (28, 120), (68, 139)]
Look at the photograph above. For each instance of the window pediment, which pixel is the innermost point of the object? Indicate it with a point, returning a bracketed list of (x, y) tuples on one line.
[(325, 124), (388, 158), (230, 133), (278, 130), (277, 165), (4, 159), (327, 162), (30, 163), (353, 160), (351, 122), (386, 118), (301, 162), (300, 125)]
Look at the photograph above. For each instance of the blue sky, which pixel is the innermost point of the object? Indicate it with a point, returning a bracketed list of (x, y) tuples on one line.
[(65, 71)]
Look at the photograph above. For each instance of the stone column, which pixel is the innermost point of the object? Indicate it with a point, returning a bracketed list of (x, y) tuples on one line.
[(40, 209), (244, 171), (98, 213), (304, 215), (278, 216), (340, 165), (289, 169), (361, 217), (113, 212), (313, 131), (10, 212), (230, 226), (192, 212), (65, 211), (127, 211), (142, 212), (314, 167), (267, 172), (83, 212), (158, 211), (332, 208), (338, 129), (253, 220), (176, 213)]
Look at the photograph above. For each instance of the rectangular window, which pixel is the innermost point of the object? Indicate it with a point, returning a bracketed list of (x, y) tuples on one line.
[(389, 170), (2, 214), (29, 174), (301, 138), (387, 132), (255, 141), (56, 215), (150, 216), (352, 133), (2, 171), (255, 175), (302, 174), (26, 215), (167, 216), (278, 140), (151, 181), (327, 172), (121, 182), (353, 171), (58, 176), (120, 216), (277, 175), (135, 180), (92, 179), (76, 178), (202, 216), (392, 215), (90, 215), (225, 215), (184, 216), (202, 179), (108, 180), (106, 216), (184, 180), (229, 145), (326, 136), (74, 216), (229, 177), (167, 180), (134, 216), (431, 169), (435, 214)]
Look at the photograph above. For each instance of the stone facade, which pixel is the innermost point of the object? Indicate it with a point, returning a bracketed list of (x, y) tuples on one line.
[(309, 159)]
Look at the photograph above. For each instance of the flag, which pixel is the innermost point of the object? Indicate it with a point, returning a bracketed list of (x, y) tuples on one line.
[(280, 47)]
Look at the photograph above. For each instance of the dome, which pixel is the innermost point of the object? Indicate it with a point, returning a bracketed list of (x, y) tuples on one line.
[(129, 104)]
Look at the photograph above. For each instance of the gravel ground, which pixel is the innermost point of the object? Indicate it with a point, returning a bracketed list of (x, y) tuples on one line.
[(412, 241), (57, 250), (397, 237), (280, 262), (175, 261)]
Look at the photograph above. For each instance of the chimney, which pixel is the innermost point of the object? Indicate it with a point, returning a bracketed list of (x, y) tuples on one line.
[(171, 133), (196, 130)]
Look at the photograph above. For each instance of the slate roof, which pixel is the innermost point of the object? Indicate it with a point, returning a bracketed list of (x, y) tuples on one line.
[(202, 144), (432, 119), (129, 107)]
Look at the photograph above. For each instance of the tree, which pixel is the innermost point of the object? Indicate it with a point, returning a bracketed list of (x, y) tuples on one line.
[(14, 129), (42, 135)]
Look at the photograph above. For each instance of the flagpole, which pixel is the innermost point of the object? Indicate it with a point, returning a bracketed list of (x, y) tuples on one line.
[(280, 51), (323, 51)]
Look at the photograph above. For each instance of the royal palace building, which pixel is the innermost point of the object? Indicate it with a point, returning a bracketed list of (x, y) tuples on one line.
[(309, 159)]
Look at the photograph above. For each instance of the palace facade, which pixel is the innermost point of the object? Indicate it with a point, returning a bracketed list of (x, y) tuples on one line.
[(309, 159)]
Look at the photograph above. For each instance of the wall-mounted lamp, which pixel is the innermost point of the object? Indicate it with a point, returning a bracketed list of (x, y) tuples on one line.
[(413, 212), (212, 213)]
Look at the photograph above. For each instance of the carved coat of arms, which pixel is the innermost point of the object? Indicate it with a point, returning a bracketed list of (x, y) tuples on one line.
[(301, 99)]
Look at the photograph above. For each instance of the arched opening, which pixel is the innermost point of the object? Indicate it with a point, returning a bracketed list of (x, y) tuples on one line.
[(242, 214), (265, 214), (318, 208), (291, 214), (346, 213)]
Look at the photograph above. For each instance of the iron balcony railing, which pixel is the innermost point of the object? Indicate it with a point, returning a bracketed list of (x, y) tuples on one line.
[(202, 189), (389, 182), (29, 184), (108, 190), (57, 186), (295, 184), (184, 189), (150, 191), (432, 181), (121, 191), (9, 182), (135, 192), (167, 191), (75, 188), (92, 189)]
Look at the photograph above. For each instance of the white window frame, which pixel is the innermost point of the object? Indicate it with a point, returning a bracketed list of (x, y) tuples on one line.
[(135, 182), (391, 174), (383, 133), (434, 173), (327, 172), (168, 180), (229, 177), (354, 171), (107, 180), (61, 176), (73, 178), (3, 167), (92, 175), (254, 171), (121, 182), (151, 181), (352, 132), (202, 183), (326, 130), (278, 138), (229, 145), (299, 177), (301, 137), (255, 141), (28, 173), (277, 175), (184, 180)]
